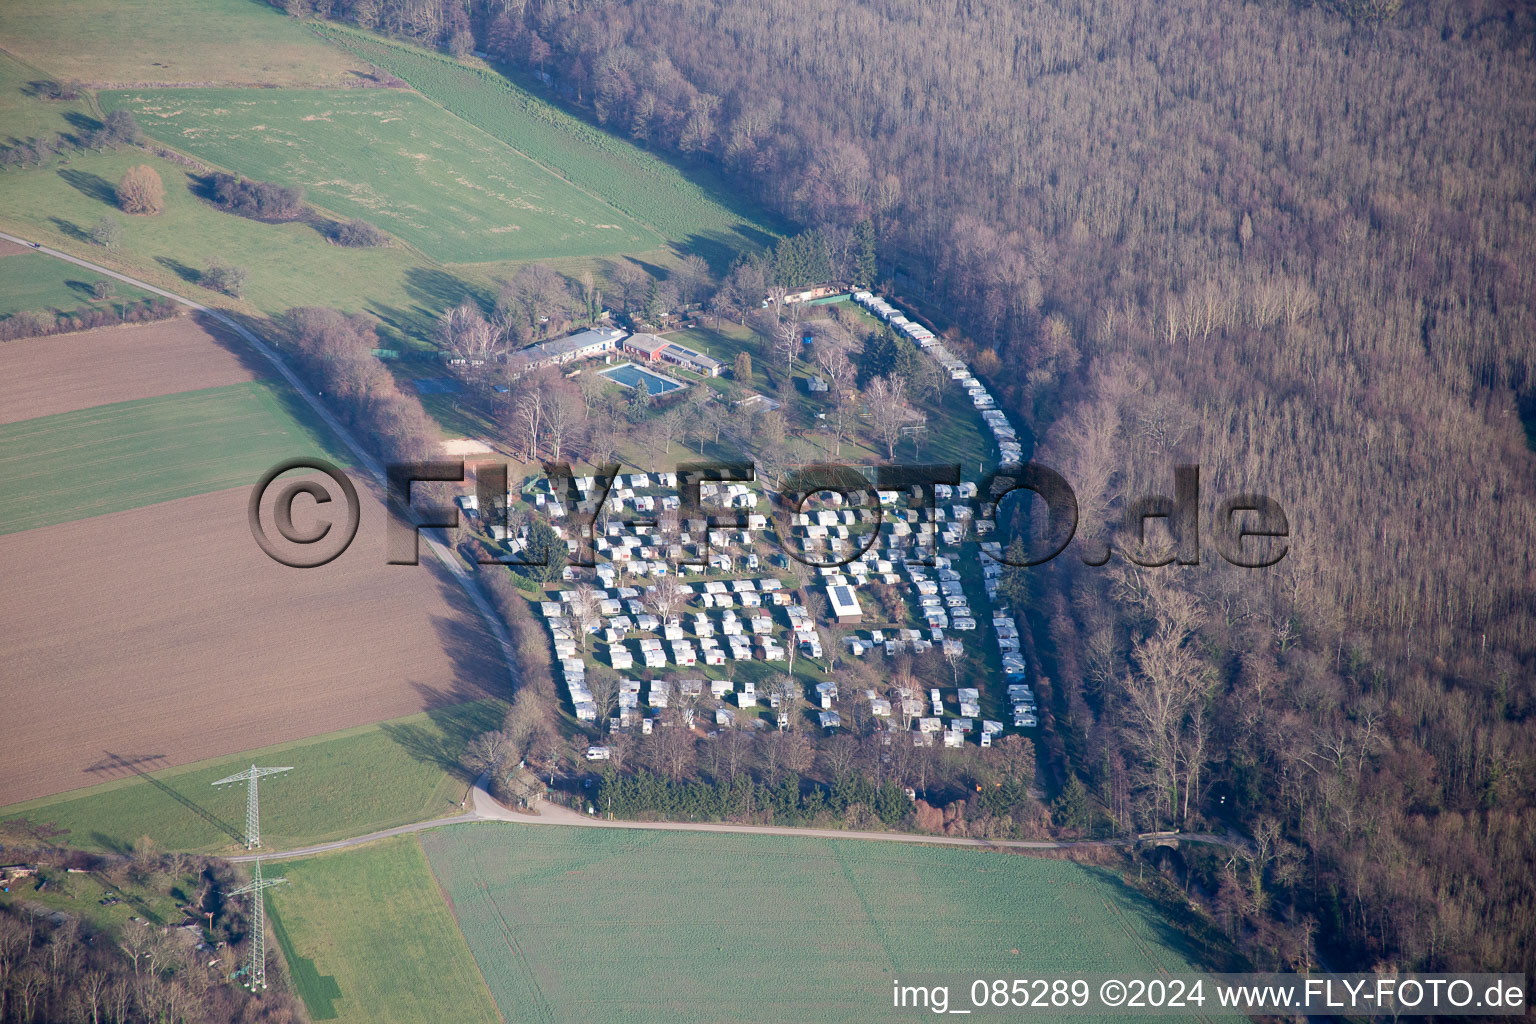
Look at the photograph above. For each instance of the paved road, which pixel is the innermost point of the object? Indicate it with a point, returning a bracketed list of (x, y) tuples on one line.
[(362, 457), (485, 808)]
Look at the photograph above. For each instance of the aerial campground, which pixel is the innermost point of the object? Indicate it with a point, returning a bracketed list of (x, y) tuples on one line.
[(571, 511)]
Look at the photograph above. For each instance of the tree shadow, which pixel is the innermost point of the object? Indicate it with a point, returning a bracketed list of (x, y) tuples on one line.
[(112, 843), (660, 273), (84, 125), (720, 248), (1171, 924), (92, 186), (70, 229), (460, 710), (431, 291), (84, 289), (442, 742), (249, 358), (191, 275), (118, 765)]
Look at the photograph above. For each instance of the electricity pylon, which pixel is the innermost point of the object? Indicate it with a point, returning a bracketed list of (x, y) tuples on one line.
[(256, 946), (252, 816)]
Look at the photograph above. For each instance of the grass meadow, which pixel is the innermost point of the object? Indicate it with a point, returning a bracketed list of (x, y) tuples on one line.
[(127, 42), (37, 283), (288, 265), (394, 159), (343, 784), (693, 210), (108, 458), (573, 924), (368, 937)]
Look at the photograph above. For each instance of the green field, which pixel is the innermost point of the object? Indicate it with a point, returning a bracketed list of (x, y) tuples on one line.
[(368, 938), (573, 924), (702, 218), (206, 42), (33, 282), (22, 114), (396, 160), (112, 457), (343, 784)]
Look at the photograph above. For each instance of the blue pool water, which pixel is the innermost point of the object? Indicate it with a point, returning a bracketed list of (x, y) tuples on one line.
[(632, 376)]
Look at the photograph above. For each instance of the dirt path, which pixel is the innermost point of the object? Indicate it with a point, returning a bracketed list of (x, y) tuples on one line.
[(483, 807)]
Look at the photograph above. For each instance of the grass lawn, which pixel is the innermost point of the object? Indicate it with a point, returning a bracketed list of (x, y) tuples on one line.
[(23, 114), (579, 925), (185, 41), (343, 784), (368, 938), (113, 457), (32, 281), (695, 210), (390, 157)]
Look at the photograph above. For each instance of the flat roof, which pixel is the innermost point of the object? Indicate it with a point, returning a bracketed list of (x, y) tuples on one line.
[(844, 600), (646, 342), (688, 353), (574, 342)]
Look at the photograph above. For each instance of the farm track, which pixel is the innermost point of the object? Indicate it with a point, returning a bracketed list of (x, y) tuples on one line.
[(486, 808)]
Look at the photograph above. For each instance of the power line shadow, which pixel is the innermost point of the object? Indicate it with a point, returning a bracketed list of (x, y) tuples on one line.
[(118, 763)]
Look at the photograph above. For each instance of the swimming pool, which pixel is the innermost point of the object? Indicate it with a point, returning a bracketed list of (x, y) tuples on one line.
[(632, 376)]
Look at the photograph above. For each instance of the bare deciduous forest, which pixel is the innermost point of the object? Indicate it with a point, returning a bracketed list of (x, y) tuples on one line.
[(1290, 243)]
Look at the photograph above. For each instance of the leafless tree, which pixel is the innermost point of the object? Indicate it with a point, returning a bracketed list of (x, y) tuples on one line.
[(885, 403), (631, 283), (690, 277), (563, 414)]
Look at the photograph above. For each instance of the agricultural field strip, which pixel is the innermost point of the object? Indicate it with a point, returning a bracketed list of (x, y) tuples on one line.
[(369, 936), (31, 283), (857, 912), (361, 457), (108, 458), (358, 778), (207, 42), (186, 642), (452, 190), (63, 373)]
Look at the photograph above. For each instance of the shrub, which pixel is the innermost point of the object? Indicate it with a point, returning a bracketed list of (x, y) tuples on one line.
[(229, 280), (55, 90), (357, 234), (141, 191), (258, 200), (119, 129)]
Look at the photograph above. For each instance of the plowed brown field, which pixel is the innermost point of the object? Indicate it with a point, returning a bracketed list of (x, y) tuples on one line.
[(43, 376), (165, 631)]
